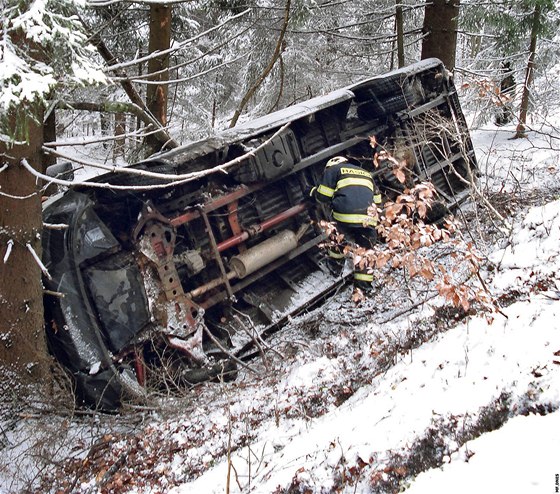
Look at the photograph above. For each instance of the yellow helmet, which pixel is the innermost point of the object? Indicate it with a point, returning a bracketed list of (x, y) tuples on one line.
[(337, 160)]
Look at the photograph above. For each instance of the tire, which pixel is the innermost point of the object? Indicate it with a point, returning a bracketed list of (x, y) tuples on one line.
[(376, 88), (225, 370), (374, 109)]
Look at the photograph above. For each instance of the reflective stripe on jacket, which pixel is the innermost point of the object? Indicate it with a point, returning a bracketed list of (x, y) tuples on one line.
[(350, 190)]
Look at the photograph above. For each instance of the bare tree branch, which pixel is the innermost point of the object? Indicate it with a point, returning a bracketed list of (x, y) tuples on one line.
[(179, 46), (142, 112), (275, 56), (172, 179), (84, 142), (122, 107)]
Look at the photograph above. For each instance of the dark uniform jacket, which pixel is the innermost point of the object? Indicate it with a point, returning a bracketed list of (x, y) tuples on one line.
[(350, 190)]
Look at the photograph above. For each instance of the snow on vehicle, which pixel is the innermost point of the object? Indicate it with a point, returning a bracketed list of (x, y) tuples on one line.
[(166, 280)]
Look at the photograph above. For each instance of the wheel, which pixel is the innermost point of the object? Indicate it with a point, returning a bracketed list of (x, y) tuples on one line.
[(370, 110), (378, 87)]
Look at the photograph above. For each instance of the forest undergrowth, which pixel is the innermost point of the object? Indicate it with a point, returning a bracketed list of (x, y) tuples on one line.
[(140, 448)]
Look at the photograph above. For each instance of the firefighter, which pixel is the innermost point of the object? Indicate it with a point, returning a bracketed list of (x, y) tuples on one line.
[(350, 191)]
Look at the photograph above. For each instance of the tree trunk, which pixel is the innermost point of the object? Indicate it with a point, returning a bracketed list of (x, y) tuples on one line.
[(507, 93), (162, 136), (440, 31), (156, 94), (23, 352), (399, 23), (520, 131)]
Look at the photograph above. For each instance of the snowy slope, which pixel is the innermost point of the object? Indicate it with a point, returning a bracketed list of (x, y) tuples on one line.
[(375, 398), (476, 376)]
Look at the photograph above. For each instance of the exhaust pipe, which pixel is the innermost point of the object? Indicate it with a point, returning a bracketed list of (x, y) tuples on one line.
[(264, 253), (255, 258)]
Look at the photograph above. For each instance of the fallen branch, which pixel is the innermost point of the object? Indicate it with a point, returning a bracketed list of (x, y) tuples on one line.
[(172, 179), (227, 352), (112, 471), (54, 294), (55, 226), (405, 310), (8, 250)]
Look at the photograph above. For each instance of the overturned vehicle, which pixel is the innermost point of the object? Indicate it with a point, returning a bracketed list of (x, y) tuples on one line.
[(164, 276)]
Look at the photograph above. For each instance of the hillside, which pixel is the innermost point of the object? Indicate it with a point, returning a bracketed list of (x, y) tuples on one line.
[(400, 391)]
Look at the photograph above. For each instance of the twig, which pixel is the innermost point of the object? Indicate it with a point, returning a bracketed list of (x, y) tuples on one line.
[(38, 261), (256, 336), (85, 142), (275, 56), (256, 341), (10, 196), (229, 462), (227, 352), (55, 226), (176, 47), (54, 294), (172, 179), (188, 78), (109, 473), (408, 309), (8, 250)]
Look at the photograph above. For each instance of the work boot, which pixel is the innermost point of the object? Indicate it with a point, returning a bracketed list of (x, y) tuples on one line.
[(366, 287), (363, 281)]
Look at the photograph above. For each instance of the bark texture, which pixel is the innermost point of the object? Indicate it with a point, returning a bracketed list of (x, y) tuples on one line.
[(440, 31), (156, 94), (23, 352)]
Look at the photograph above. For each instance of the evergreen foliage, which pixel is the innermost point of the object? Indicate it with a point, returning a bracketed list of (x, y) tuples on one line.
[(496, 42), (42, 45)]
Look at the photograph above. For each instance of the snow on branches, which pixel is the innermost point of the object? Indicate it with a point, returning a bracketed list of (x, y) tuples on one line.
[(41, 41)]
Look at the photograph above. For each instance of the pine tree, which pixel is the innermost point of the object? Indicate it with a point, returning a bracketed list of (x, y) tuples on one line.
[(507, 43), (40, 44)]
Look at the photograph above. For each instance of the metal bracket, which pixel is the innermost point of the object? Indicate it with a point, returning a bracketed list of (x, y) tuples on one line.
[(156, 241)]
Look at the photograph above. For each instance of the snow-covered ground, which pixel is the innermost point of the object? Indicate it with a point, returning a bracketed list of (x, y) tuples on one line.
[(375, 398), (454, 383), (450, 380)]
